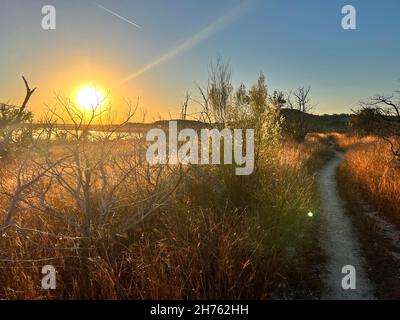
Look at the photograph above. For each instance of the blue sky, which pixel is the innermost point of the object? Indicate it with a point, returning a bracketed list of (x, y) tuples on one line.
[(293, 42)]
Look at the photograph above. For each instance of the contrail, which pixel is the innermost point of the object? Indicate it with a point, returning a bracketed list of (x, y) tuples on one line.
[(118, 16), (189, 43)]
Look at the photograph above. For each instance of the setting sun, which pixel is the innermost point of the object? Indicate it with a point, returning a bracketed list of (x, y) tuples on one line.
[(89, 98)]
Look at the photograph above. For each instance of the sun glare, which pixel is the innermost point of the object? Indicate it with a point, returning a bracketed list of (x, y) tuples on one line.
[(89, 98)]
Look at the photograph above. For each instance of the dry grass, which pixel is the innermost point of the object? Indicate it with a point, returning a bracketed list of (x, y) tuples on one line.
[(368, 182), (367, 167), (221, 236)]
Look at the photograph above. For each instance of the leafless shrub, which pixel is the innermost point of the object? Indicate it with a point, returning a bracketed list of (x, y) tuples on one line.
[(95, 181), (384, 118), (300, 100), (13, 120)]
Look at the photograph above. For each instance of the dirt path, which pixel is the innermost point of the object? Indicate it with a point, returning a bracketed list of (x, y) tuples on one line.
[(338, 240)]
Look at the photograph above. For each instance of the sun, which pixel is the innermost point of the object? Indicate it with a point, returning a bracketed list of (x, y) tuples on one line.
[(89, 98)]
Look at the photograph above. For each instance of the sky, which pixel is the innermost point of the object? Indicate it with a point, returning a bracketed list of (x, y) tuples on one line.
[(157, 50)]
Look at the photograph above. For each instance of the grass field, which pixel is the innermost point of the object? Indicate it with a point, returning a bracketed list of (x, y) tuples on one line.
[(219, 236), (367, 167)]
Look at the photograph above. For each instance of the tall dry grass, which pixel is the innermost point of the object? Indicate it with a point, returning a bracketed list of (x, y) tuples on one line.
[(367, 168), (220, 237)]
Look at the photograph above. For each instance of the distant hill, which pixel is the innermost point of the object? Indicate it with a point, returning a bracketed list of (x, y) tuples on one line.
[(163, 124), (314, 123), (319, 123)]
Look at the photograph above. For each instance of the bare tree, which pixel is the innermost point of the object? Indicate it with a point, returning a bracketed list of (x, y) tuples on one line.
[(28, 174), (12, 121), (185, 105), (220, 90), (215, 100), (300, 100), (101, 170), (386, 122), (297, 124), (95, 182)]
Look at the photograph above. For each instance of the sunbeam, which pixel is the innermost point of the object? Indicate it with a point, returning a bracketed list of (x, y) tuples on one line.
[(200, 36)]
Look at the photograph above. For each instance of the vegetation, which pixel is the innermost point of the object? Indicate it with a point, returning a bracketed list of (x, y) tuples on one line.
[(116, 227), (380, 116), (13, 120), (367, 167), (77, 192), (370, 186)]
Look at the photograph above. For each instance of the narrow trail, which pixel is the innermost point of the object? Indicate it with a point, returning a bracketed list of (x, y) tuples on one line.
[(339, 241)]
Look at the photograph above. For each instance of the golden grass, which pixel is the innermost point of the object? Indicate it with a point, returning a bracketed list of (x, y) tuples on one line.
[(206, 244), (367, 167)]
